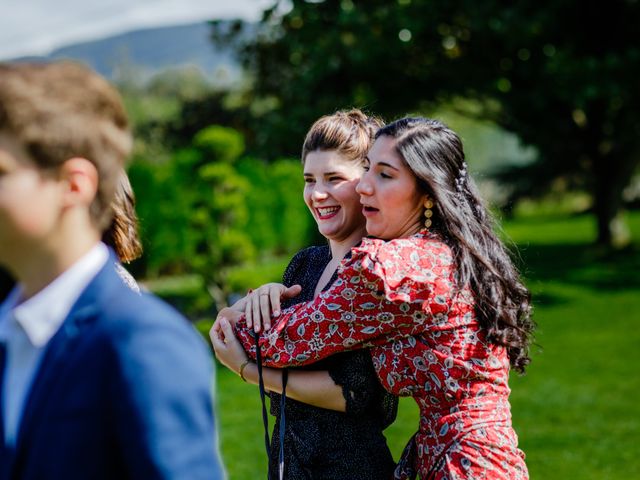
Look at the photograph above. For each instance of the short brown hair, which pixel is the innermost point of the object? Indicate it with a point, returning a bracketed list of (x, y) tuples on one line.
[(349, 132), (61, 110)]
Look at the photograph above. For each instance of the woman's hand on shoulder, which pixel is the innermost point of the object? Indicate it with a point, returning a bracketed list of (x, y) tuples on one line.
[(264, 302)]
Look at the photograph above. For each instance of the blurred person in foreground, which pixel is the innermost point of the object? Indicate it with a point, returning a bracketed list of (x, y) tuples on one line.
[(336, 410), (436, 297), (96, 380), (122, 236), (6, 283)]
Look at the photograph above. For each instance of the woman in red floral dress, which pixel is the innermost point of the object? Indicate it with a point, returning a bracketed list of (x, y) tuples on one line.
[(436, 297)]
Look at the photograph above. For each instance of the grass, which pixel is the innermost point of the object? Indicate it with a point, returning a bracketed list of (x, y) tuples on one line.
[(575, 411)]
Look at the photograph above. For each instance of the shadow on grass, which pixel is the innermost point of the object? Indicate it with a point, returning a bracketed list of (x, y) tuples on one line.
[(546, 299), (583, 265)]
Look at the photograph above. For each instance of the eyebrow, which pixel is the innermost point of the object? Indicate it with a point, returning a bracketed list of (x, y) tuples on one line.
[(383, 164), (326, 174)]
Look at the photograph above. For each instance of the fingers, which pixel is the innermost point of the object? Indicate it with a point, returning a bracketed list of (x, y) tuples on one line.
[(274, 298), (217, 339), (240, 304), (265, 309), (227, 331), (255, 311), (292, 291), (221, 337), (248, 309), (264, 302), (214, 331)]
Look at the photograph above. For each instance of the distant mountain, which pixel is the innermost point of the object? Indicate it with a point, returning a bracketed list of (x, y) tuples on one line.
[(149, 51)]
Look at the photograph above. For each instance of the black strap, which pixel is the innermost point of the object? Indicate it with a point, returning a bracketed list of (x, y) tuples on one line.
[(265, 419), (283, 423)]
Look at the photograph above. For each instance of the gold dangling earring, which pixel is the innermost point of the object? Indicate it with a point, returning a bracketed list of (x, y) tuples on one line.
[(428, 213)]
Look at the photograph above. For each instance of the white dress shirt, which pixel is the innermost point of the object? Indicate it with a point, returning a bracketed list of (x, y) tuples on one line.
[(26, 327)]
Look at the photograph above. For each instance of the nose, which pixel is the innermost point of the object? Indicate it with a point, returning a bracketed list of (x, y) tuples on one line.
[(364, 186), (318, 193)]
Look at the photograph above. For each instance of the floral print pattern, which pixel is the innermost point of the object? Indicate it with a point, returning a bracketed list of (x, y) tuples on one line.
[(400, 298)]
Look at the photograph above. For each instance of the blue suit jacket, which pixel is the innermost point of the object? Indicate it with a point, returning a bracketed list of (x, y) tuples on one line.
[(123, 391)]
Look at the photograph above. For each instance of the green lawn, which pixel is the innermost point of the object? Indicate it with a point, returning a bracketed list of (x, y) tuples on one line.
[(576, 410)]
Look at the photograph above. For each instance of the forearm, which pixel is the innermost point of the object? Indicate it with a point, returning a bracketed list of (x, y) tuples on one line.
[(334, 322), (314, 388)]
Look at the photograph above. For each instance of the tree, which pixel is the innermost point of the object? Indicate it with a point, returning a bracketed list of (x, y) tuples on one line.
[(280, 223), (193, 210), (562, 76)]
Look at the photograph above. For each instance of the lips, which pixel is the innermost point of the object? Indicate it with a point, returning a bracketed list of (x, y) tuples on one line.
[(368, 210), (325, 213)]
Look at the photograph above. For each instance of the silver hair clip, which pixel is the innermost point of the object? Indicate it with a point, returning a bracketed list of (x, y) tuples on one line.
[(462, 176)]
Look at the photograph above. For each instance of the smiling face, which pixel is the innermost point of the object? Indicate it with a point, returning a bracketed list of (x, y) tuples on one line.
[(391, 200), (330, 193)]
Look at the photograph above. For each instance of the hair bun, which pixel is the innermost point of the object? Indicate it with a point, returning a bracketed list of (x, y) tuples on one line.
[(349, 132)]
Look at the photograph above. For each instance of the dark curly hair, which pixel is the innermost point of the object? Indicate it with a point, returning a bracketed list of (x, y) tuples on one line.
[(435, 154)]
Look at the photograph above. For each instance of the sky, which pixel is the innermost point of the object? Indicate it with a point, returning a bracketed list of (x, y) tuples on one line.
[(36, 27)]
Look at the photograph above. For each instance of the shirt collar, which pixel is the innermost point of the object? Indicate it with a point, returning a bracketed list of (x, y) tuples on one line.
[(41, 315)]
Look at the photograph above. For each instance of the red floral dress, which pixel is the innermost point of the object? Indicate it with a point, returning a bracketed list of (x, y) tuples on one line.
[(399, 298)]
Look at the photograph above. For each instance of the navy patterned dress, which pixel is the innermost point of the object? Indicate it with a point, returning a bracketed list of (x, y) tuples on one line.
[(322, 444)]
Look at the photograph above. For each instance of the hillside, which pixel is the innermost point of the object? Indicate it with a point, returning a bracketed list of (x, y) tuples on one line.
[(148, 51)]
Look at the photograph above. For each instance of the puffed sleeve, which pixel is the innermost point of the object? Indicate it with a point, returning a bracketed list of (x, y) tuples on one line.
[(385, 290)]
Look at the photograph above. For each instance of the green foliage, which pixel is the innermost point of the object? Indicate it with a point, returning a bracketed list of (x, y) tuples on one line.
[(546, 74), (187, 293), (249, 276), (278, 218), (193, 211), (145, 109), (575, 410), (261, 227), (291, 219), (488, 148), (221, 143), (206, 211), (183, 83), (163, 209), (156, 101)]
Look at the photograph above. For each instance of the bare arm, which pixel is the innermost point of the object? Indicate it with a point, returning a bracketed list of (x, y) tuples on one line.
[(315, 388)]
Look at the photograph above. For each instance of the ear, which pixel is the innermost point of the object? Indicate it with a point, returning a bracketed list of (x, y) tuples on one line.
[(81, 178)]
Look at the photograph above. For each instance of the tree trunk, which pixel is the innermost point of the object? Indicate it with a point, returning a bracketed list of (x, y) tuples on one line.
[(612, 175)]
